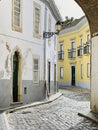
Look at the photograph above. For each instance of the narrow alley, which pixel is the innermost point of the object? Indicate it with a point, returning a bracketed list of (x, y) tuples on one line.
[(61, 114)]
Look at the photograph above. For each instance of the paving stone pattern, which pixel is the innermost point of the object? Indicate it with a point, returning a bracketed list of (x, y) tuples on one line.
[(2, 122), (76, 93), (61, 114)]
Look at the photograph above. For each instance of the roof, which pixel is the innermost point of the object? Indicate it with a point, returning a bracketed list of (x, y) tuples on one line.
[(90, 8), (77, 24)]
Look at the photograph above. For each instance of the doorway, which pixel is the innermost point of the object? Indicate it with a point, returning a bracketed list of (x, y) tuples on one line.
[(73, 75), (15, 76), (54, 78), (49, 76)]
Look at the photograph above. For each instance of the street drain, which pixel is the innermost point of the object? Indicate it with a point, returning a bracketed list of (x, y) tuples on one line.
[(26, 112)]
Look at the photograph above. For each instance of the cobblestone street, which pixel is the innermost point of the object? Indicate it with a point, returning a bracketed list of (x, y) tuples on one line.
[(61, 114)]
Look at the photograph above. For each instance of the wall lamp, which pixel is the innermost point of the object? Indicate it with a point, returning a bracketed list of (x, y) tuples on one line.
[(58, 26)]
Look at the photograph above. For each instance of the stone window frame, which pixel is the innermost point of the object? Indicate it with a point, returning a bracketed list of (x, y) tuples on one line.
[(73, 43), (62, 46), (81, 70), (15, 27), (49, 27), (88, 70), (88, 37), (61, 77), (34, 70), (38, 6), (55, 43), (81, 40), (17, 49)]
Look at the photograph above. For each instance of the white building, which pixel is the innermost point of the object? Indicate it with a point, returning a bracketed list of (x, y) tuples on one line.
[(25, 55)]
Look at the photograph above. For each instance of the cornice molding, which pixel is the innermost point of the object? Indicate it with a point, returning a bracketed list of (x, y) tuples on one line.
[(53, 8), (75, 27)]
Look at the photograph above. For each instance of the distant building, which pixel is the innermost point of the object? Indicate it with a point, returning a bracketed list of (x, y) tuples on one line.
[(74, 54), (27, 60)]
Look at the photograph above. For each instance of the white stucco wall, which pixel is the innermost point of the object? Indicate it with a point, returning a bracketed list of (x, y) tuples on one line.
[(24, 40), (28, 47), (94, 75), (51, 51)]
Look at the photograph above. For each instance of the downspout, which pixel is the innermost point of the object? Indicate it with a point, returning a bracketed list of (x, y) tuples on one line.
[(45, 28)]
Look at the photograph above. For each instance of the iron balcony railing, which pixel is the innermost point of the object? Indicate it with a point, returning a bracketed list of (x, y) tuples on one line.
[(72, 53), (80, 50), (87, 48), (61, 55)]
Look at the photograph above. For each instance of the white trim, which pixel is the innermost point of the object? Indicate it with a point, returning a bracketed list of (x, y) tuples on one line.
[(38, 58), (36, 5)]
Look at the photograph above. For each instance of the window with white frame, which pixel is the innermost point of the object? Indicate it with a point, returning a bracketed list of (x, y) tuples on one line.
[(36, 70), (72, 44), (55, 42), (81, 69), (81, 41), (88, 70), (16, 15), (37, 20), (61, 47), (61, 72), (88, 36), (49, 28)]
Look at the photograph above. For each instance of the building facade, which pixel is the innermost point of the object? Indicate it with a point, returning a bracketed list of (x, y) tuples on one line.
[(23, 50), (74, 54)]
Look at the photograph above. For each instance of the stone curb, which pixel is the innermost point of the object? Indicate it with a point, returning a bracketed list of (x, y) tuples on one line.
[(90, 116), (49, 100)]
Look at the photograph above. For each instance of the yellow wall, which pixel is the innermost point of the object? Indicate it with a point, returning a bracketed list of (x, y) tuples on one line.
[(66, 63)]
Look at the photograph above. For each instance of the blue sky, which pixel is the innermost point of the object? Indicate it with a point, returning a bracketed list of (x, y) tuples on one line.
[(69, 8)]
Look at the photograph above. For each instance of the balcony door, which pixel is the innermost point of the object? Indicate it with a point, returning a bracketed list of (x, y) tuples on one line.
[(49, 76), (73, 75), (54, 78)]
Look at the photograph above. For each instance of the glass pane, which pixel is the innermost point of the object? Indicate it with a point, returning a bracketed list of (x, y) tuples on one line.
[(35, 75), (17, 12), (35, 61), (37, 20), (61, 72)]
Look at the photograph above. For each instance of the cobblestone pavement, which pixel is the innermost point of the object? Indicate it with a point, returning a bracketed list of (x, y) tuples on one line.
[(61, 114), (2, 122), (76, 93)]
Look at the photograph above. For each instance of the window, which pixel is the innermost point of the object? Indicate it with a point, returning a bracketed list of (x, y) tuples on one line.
[(88, 70), (81, 68), (55, 42), (16, 16), (88, 37), (61, 52), (72, 44), (80, 48), (72, 51), (36, 70), (49, 28), (37, 20), (81, 42), (61, 72), (61, 47)]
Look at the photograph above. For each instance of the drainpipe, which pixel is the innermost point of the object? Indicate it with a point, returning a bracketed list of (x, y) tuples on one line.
[(45, 27)]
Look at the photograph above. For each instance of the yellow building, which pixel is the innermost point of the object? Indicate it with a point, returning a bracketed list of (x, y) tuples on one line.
[(74, 54)]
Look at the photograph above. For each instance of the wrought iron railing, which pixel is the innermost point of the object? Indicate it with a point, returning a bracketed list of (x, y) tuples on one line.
[(72, 53), (87, 48), (80, 50), (61, 55)]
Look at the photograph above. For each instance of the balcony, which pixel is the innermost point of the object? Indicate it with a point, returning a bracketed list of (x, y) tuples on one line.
[(80, 51), (61, 55), (72, 53), (87, 48)]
